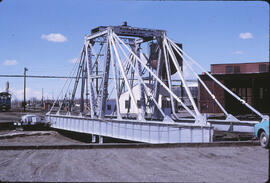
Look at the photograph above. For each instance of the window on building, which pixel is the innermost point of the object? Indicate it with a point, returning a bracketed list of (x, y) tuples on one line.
[(236, 69), (127, 104), (262, 67), (229, 69), (109, 107), (139, 104)]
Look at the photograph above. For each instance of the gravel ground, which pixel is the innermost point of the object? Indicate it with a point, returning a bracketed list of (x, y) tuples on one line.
[(34, 138), (180, 164), (183, 164)]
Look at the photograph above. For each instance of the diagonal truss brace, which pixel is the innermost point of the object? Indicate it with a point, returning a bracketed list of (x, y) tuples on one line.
[(155, 76), (89, 73), (124, 75), (147, 90), (264, 117)]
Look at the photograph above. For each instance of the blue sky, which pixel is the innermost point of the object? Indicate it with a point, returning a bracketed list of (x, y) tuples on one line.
[(209, 31)]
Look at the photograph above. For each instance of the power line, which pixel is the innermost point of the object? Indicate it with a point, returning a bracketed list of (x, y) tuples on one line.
[(68, 77), (35, 76)]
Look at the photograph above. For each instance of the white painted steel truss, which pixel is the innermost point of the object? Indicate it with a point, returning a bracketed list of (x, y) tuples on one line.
[(149, 132), (112, 62)]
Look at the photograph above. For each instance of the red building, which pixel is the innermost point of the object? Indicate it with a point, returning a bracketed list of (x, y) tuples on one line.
[(250, 81)]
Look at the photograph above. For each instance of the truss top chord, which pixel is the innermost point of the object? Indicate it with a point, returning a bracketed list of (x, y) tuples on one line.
[(124, 30)]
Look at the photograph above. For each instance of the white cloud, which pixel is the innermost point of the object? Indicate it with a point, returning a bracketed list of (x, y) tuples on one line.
[(245, 35), (10, 62), (54, 37), (238, 52), (73, 60)]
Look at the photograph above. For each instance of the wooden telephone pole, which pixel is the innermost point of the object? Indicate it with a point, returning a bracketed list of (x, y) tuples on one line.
[(24, 89)]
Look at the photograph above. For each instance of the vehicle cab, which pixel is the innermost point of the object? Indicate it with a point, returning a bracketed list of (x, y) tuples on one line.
[(261, 131), (30, 119)]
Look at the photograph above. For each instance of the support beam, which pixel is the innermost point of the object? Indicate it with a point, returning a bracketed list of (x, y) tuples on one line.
[(264, 117), (83, 87), (115, 84), (104, 88), (89, 74), (96, 35), (94, 139), (131, 86), (203, 84), (155, 76), (79, 71), (156, 113), (168, 72), (182, 78), (147, 90), (124, 75), (100, 139), (142, 96)]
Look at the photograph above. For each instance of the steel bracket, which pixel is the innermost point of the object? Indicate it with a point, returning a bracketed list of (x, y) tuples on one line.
[(265, 118), (230, 117)]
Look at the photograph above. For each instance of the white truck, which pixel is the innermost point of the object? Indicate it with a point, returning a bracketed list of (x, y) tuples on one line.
[(32, 120)]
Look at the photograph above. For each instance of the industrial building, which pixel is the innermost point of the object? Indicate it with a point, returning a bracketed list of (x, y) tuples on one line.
[(250, 81)]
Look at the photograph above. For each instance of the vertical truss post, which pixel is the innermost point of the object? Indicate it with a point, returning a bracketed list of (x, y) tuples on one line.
[(86, 89), (95, 65), (156, 113), (97, 77), (142, 96), (115, 83), (131, 85), (104, 88), (131, 76), (89, 74), (168, 71), (83, 87)]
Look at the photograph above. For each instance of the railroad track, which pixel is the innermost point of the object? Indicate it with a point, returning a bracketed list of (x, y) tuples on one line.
[(129, 145)]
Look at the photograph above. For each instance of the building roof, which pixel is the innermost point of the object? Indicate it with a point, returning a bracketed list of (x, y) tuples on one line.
[(242, 63), (241, 68)]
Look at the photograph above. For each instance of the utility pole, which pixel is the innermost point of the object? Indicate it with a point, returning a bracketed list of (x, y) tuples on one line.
[(24, 89), (42, 98)]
